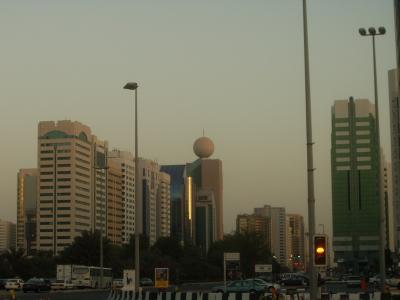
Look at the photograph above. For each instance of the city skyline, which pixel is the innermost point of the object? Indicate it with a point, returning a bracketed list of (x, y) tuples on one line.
[(240, 113)]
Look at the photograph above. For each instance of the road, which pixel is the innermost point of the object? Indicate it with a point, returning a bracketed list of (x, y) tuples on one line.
[(65, 295)]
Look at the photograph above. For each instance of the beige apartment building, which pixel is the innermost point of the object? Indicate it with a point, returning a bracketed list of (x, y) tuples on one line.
[(27, 182), (68, 203), (125, 162)]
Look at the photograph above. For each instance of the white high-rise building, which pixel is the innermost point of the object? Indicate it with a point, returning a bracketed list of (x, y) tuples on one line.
[(154, 191), (125, 161), (278, 230), (71, 190), (7, 235)]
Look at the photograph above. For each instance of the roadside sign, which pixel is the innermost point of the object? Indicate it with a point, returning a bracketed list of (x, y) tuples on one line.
[(161, 277), (263, 268), (129, 280)]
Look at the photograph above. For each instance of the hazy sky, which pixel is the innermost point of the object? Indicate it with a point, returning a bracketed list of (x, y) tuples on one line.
[(234, 68)]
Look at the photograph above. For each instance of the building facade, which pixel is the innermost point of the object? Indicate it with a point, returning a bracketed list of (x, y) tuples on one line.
[(27, 183), (355, 188), (278, 230), (296, 241), (177, 174), (246, 223), (7, 235), (71, 197), (126, 164)]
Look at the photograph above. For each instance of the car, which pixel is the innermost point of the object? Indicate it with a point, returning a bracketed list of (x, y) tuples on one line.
[(117, 283), (13, 284), (352, 281), (393, 282), (268, 285), (2, 284), (62, 285), (146, 282), (36, 285), (242, 286), (294, 279)]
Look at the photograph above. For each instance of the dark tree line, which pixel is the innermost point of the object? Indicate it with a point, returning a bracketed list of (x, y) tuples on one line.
[(185, 262)]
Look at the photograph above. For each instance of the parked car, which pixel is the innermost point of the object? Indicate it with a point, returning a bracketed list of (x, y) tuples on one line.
[(62, 285), (13, 284), (393, 281), (146, 282), (2, 284), (36, 285), (242, 286), (294, 279), (268, 285), (118, 283), (352, 281)]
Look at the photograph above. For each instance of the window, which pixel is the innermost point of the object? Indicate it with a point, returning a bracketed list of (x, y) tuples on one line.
[(362, 132), (363, 150), (362, 123), (342, 142), (343, 168), (364, 158), (363, 141), (343, 150), (342, 133), (342, 159)]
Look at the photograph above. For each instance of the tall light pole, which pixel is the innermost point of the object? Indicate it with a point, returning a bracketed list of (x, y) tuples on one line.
[(310, 164), (133, 86), (372, 33)]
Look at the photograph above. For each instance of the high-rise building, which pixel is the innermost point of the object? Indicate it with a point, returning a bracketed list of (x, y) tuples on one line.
[(387, 196), (125, 161), (355, 201), (155, 194), (178, 175), (394, 104), (71, 189), (115, 213), (278, 230), (203, 188), (7, 235), (296, 240), (254, 223), (26, 209)]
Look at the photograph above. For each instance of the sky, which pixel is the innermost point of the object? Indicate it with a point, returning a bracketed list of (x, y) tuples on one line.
[(233, 68)]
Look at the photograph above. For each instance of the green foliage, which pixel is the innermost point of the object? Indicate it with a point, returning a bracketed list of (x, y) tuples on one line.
[(185, 262)]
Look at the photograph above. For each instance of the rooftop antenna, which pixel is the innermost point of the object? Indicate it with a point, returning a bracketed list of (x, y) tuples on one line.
[(203, 132)]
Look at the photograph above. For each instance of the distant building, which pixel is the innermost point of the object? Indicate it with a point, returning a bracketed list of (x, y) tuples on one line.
[(71, 189), (155, 201), (178, 175), (296, 241), (355, 202), (254, 223), (26, 210), (203, 207), (125, 162), (278, 230), (7, 235), (115, 212)]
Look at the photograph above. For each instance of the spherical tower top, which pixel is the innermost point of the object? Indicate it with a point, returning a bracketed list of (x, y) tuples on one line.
[(203, 147)]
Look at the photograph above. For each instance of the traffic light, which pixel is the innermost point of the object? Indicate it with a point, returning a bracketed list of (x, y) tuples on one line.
[(320, 250)]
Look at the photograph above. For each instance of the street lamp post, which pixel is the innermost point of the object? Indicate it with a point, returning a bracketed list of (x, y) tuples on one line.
[(310, 164), (372, 33), (133, 86)]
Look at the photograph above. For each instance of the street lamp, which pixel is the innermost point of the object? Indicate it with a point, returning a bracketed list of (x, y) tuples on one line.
[(133, 86), (372, 33), (310, 164)]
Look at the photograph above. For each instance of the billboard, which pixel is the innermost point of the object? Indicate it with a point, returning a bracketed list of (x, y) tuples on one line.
[(129, 280), (161, 277)]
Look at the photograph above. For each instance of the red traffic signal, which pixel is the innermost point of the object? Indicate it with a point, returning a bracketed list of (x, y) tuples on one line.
[(320, 250)]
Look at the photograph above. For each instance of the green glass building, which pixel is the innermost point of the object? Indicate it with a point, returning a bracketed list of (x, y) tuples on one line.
[(355, 185)]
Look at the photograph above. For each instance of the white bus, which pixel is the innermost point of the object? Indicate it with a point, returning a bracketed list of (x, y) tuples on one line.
[(84, 276)]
